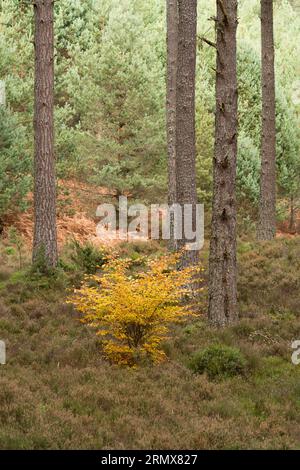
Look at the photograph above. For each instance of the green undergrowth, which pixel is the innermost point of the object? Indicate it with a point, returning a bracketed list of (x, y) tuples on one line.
[(58, 392)]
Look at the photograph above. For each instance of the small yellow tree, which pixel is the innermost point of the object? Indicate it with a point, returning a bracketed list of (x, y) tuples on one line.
[(133, 312)]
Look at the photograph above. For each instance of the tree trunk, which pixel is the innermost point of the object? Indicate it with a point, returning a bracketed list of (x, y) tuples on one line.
[(185, 116), (266, 229), (223, 270), (45, 236), (172, 47)]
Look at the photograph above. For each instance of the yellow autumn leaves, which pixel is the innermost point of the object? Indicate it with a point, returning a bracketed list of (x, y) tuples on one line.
[(132, 310)]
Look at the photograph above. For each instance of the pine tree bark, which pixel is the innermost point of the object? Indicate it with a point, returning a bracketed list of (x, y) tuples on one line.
[(266, 229), (223, 270), (45, 234), (185, 116), (172, 48)]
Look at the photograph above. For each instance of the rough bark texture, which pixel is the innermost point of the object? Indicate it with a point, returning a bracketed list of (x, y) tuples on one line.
[(266, 229), (172, 47), (45, 236), (185, 114), (223, 271)]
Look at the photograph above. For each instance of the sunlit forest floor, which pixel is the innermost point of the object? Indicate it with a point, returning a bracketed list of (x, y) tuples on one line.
[(57, 391)]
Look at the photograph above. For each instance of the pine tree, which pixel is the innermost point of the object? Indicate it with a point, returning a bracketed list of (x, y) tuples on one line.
[(223, 271), (45, 235), (172, 49), (185, 115), (266, 229)]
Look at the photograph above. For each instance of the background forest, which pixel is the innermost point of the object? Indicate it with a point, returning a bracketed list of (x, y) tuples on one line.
[(189, 384), (110, 66)]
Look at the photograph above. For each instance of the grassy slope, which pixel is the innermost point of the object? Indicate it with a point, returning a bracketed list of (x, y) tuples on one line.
[(57, 392)]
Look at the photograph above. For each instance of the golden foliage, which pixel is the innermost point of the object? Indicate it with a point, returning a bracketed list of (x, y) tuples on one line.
[(133, 311)]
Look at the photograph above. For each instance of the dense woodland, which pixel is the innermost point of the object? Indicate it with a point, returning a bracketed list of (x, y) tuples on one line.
[(147, 344)]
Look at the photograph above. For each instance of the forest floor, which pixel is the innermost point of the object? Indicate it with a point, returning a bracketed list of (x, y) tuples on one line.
[(58, 392), (76, 216)]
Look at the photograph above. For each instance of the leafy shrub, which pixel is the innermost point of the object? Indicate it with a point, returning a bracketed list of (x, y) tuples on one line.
[(87, 257), (218, 361), (134, 312)]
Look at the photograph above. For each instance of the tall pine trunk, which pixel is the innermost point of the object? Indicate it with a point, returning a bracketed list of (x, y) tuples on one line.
[(185, 115), (172, 47), (223, 270), (45, 236), (266, 229)]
